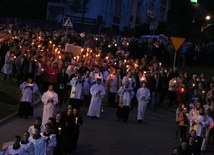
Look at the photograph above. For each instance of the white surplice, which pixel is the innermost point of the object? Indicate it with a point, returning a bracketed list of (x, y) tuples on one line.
[(51, 144), (143, 97), (96, 99), (39, 145), (29, 148), (49, 107), (11, 151)]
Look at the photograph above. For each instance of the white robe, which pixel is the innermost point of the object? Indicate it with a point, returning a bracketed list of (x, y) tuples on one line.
[(49, 107), (132, 81), (11, 151), (96, 100), (29, 148), (39, 145), (201, 129), (31, 130), (8, 65), (125, 95), (94, 76), (143, 97), (27, 92), (113, 83), (51, 144)]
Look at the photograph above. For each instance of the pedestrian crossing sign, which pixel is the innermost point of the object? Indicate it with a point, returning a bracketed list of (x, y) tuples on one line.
[(67, 22)]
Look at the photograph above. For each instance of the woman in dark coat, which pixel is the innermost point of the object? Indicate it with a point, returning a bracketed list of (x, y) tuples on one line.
[(68, 132), (59, 130), (76, 122)]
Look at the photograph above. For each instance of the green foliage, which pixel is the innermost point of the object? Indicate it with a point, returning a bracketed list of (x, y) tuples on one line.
[(9, 98)]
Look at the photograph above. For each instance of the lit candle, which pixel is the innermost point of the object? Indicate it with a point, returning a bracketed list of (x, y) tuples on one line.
[(115, 44), (109, 46), (76, 120), (60, 129), (60, 57), (42, 69), (182, 89), (142, 78), (203, 91)]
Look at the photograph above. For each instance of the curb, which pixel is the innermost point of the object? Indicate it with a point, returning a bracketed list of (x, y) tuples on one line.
[(4, 120), (8, 118)]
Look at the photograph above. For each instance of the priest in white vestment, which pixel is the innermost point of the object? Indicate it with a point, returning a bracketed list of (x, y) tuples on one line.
[(143, 97), (76, 96), (50, 99), (98, 92)]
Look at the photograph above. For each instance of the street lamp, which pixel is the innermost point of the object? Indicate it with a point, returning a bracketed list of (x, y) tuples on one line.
[(208, 18), (206, 25)]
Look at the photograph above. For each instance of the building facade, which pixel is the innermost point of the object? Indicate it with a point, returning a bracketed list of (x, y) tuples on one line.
[(115, 16)]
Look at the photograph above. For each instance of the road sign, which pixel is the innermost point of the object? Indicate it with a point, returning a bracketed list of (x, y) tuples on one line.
[(177, 42), (67, 22)]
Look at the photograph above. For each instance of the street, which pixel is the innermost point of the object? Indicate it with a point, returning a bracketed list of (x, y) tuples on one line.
[(108, 135)]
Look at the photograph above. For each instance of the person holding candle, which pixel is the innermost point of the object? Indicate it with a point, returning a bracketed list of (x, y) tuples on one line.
[(125, 93), (50, 99), (59, 131), (76, 122), (7, 68), (97, 91), (76, 95), (182, 93), (52, 74), (68, 130), (26, 104), (172, 91), (112, 85), (96, 74), (143, 97)]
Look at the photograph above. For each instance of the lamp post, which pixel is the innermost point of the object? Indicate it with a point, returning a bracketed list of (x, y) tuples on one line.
[(206, 25)]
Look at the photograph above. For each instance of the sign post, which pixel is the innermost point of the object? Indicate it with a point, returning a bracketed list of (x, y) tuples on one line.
[(177, 42), (67, 24)]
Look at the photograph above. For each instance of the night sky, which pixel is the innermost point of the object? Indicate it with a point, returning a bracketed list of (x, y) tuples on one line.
[(207, 4)]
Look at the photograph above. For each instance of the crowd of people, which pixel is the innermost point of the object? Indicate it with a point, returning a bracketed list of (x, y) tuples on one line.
[(120, 72)]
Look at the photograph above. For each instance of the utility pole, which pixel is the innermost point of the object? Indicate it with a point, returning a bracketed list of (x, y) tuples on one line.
[(83, 13)]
